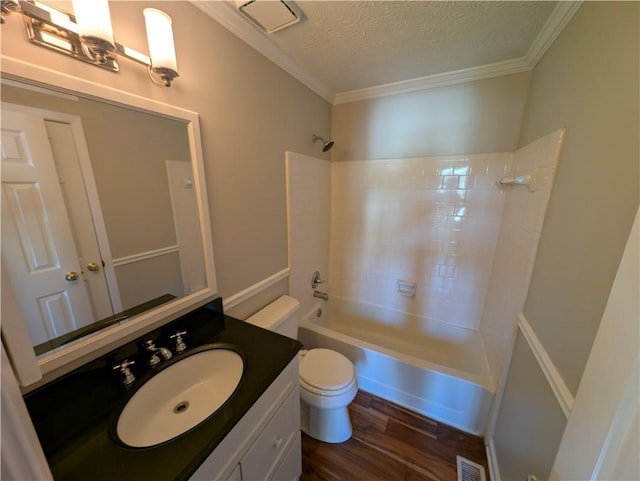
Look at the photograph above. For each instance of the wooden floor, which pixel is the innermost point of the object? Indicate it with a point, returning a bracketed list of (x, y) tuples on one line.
[(390, 443)]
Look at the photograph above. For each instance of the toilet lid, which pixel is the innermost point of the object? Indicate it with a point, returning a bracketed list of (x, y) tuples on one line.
[(326, 369)]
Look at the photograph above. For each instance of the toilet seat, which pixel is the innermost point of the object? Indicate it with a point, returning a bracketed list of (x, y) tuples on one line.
[(333, 393), (326, 372)]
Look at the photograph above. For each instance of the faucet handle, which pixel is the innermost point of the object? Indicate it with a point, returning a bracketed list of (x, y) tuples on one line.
[(316, 280), (126, 372), (180, 345)]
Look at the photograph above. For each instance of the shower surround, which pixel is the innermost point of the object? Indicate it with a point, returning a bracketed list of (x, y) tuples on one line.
[(441, 223), (432, 221)]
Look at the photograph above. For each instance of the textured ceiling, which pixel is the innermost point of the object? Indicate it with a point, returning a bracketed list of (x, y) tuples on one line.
[(350, 50), (358, 44)]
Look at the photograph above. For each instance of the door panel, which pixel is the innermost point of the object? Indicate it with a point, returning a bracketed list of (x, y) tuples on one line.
[(37, 247), (57, 312), (72, 184), (25, 204)]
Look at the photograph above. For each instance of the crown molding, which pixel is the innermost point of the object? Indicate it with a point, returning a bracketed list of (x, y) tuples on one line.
[(431, 81), (559, 18), (554, 25), (225, 14)]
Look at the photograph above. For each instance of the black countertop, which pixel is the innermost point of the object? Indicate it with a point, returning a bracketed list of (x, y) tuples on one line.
[(74, 415)]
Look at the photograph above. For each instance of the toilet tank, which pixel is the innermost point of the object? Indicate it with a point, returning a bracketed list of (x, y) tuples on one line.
[(281, 316)]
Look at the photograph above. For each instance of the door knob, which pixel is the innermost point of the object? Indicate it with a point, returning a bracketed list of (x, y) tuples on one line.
[(71, 276), (92, 266)]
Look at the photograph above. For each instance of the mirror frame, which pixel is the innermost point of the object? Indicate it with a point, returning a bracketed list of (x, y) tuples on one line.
[(29, 368)]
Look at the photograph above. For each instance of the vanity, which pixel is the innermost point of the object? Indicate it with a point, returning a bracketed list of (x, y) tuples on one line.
[(254, 435)]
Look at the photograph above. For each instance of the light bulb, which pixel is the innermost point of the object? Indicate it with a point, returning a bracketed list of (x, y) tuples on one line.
[(160, 38), (94, 19)]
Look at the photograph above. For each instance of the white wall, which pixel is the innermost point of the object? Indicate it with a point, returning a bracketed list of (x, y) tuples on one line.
[(430, 220), (308, 205)]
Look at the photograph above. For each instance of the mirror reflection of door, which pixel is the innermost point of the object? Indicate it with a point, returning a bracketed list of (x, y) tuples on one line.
[(132, 215), (40, 250), (92, 249), (185, 217)]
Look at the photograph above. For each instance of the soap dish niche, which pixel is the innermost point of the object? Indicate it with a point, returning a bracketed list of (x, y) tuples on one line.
[(406, 288)]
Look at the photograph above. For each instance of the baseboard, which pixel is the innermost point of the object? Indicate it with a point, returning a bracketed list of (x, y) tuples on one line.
[(492, 459)]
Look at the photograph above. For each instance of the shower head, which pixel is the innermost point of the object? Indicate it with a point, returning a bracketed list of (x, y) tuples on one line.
[(326, 146)]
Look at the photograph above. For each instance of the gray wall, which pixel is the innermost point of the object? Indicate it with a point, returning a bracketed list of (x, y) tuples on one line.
[(527, 444), (471, 117), (251, 112), (588, 83)]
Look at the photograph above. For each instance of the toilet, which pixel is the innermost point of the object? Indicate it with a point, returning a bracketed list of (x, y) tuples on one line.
[(327, 379)]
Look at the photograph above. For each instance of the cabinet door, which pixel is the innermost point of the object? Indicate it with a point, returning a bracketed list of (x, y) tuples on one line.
[(291, 467), (274, 442), (276, 401)]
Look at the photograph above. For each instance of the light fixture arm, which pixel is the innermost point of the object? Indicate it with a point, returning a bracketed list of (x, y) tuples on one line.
[(166, 76), (50, 27), (7, 7)]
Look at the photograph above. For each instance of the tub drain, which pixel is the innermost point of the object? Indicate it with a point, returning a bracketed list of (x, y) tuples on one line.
[(319, 313), (181, 407)]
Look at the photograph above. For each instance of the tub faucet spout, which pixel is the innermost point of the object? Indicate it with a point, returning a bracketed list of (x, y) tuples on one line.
[(321, 295)]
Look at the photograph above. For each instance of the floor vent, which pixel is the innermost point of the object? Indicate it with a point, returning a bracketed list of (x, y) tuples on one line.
[(470, 471)]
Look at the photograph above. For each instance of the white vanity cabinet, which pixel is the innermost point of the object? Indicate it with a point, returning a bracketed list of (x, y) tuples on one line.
[(265, 444)]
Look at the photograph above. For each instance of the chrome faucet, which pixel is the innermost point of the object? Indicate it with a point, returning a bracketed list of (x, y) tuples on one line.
[(180, 345), (316, 280), (157, 352), (321, 295), (123, 367)]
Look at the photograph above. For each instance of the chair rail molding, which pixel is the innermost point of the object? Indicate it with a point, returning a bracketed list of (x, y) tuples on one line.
[(563, 394)]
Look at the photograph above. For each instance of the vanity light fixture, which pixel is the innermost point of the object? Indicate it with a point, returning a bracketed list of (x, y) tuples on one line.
[(88, 36), (161, 47), (94, 28)]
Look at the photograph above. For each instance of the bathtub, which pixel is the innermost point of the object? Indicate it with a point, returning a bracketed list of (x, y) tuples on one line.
[(432, 368)]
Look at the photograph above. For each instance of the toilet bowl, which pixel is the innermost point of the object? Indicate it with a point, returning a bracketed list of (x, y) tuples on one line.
[(327, 386), (327, 379)]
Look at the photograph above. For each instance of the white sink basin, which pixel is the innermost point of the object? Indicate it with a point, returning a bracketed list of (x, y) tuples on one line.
[(180, 397)]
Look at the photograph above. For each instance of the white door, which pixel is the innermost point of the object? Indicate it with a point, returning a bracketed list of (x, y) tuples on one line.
[(185, 219), (38, 250), (73, 184)]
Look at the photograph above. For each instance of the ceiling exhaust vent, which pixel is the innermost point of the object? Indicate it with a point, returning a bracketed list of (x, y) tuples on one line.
[(269, 15)]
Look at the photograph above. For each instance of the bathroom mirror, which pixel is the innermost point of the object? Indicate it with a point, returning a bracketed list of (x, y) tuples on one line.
[(107, 233)]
